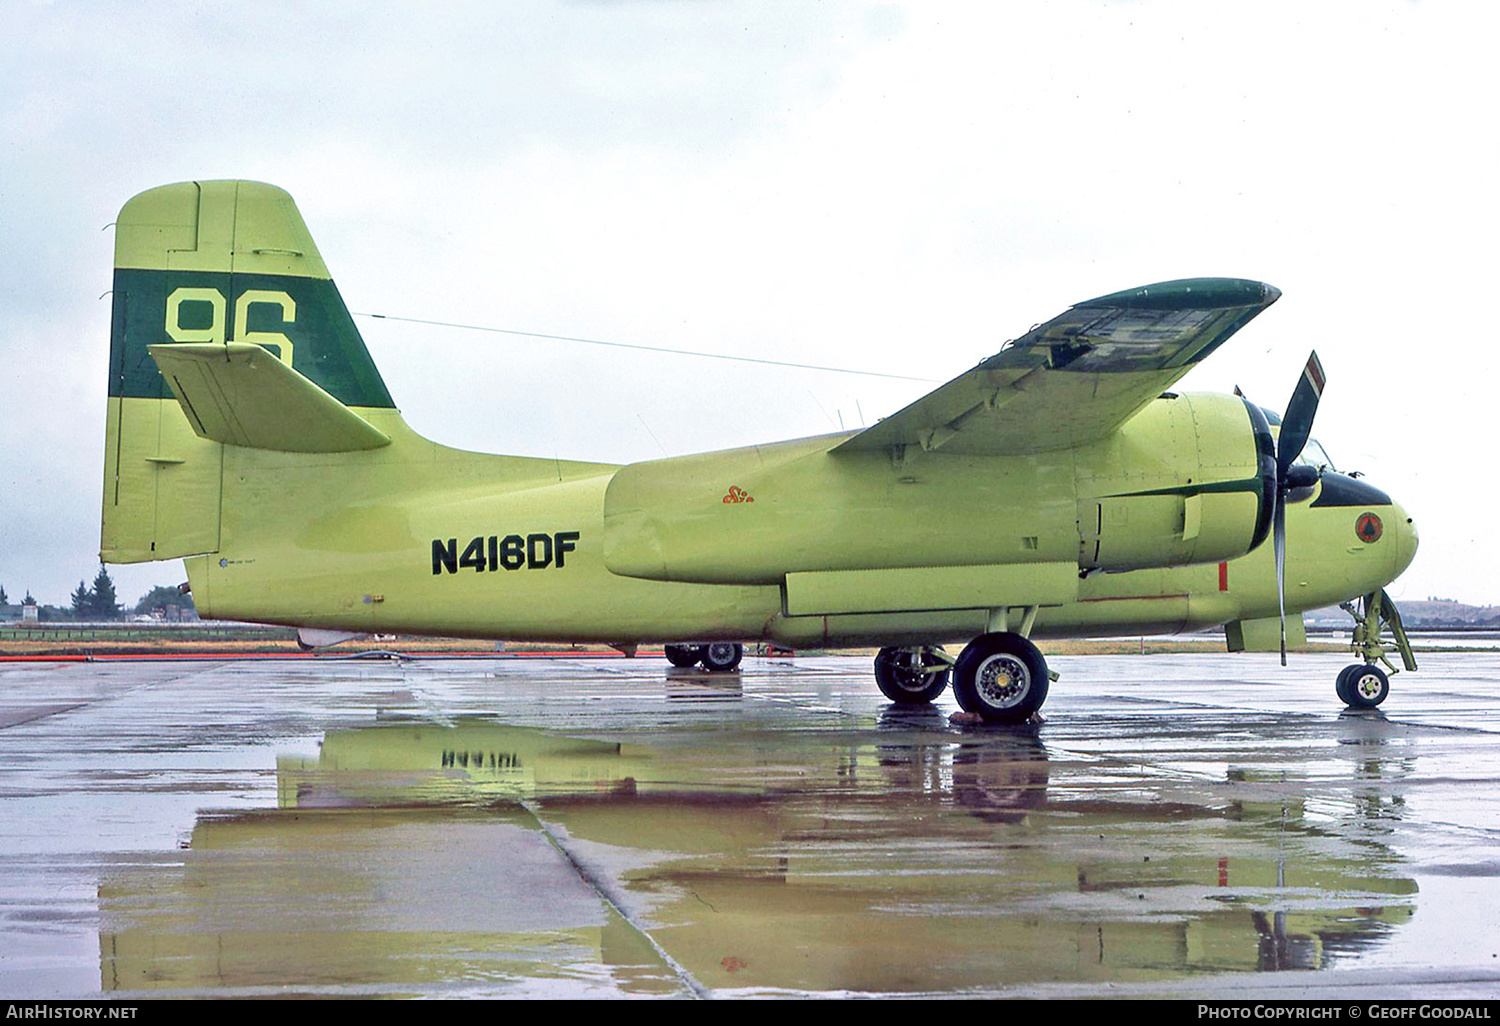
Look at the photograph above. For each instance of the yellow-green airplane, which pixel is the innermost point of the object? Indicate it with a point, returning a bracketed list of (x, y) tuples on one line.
[(250, 434)]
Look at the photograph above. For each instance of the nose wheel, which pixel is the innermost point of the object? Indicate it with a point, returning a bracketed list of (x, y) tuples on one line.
[(1363, 686)]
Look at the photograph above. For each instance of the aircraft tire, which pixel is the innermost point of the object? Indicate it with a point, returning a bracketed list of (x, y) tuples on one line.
[(1002, 677), (1341, 684), (905, 684), (683, 656), (722, 656), (1368, 686)]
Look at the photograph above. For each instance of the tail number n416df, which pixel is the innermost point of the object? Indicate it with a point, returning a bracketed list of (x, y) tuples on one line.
[(507, 552)]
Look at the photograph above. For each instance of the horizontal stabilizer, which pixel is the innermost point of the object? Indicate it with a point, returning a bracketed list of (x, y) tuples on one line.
[(239, 393)]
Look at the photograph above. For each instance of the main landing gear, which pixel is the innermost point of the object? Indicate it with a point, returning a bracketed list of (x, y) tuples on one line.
[(1365, 685), (716, 656), (912, 676), (1000, 676)]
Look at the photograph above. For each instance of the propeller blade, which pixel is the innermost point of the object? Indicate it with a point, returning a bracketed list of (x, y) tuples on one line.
[(1280, 542), (1296, 426)]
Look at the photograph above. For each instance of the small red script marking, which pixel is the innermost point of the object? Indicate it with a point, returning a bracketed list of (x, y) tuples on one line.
[(738, 494), (733, 963)]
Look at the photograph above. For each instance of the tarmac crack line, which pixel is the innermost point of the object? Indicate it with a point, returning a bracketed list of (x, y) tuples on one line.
[(605, 891)]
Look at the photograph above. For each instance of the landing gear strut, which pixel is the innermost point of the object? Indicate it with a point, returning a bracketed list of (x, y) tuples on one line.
[(1365, 685)]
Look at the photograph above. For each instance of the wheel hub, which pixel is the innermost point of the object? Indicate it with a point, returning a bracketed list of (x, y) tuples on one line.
[(1368, 685), (911, 674), (1002, 681)]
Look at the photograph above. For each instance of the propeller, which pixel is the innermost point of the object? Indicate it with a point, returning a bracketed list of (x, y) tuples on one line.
[(1296, 426)]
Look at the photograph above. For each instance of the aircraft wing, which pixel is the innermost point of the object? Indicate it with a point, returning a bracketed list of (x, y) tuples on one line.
[(1077, 377)]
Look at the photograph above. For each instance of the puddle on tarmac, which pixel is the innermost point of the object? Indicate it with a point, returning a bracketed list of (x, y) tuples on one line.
[(895, 857)]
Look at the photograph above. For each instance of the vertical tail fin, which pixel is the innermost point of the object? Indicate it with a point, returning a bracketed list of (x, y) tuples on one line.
[(203, 263)]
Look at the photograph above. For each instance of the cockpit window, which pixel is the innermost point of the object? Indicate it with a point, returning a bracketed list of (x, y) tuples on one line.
[(1313, 454)]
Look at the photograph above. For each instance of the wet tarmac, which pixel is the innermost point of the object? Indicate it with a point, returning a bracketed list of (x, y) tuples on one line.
[(1181, 826)]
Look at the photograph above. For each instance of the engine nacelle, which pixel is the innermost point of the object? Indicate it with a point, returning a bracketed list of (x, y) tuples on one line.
[(1181, 482), (1190, 479)]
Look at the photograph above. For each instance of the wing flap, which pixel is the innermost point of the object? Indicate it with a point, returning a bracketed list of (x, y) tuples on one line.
[(239, 393), (916, 589), (1077, 377)]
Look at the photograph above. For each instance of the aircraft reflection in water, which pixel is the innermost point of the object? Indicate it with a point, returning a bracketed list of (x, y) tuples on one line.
[(906, 858)]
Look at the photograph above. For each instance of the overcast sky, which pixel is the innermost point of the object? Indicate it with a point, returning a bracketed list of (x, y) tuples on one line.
[(887, 187)]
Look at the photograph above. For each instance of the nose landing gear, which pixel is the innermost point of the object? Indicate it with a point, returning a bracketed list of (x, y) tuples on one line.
[(1365, 685)]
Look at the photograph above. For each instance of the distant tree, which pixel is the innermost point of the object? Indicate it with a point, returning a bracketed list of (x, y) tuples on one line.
[(83, 603), (4, 599), (102, 595), (162, 596)]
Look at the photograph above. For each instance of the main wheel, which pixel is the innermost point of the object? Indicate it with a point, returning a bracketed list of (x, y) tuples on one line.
[(905, 679), (722, 656), (1368, 687), (1002, 677), (1341, 685), (684, 655)]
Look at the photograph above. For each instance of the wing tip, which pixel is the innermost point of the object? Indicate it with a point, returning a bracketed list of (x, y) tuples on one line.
[(1192, 294)]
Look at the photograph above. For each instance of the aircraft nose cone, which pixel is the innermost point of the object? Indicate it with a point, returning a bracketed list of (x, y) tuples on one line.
[(1406, 539)]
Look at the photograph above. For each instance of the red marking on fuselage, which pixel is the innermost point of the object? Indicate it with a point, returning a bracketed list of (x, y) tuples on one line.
[(1223, 576)]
